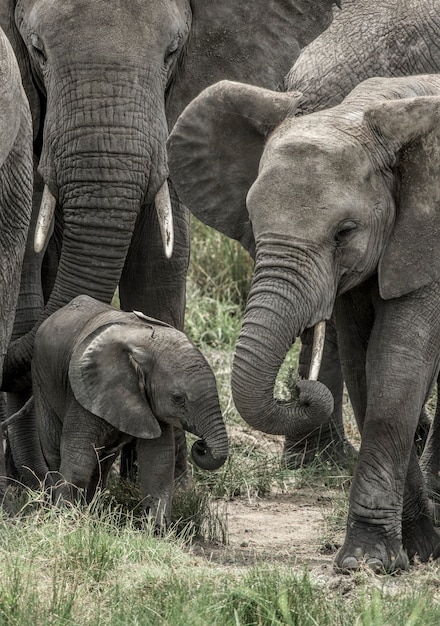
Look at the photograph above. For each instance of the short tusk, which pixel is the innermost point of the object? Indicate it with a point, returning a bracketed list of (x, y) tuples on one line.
[(165, 215), (44, 220), (317, 350)]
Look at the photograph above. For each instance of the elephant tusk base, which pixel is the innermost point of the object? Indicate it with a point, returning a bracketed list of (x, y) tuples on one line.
[(317, 350), (44, 221), (165, 215)]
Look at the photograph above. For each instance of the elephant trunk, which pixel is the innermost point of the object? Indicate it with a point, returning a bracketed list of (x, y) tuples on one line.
[(282, 303), (211, 451), (107, 163)]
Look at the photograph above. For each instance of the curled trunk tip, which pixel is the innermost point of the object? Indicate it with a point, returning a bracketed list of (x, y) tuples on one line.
[(202, 455)]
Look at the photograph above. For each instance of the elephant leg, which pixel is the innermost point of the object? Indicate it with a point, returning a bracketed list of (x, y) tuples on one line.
[(150, 282), (388, 509), (157, 286), (75, 481), (156, 473), (430, 461), (26, 446), (82, 442), (128, 459), (329, 441), (100, 475), (419, 536), (5, 503)]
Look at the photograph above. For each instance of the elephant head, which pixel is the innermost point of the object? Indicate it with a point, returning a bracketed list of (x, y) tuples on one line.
[(322, 202), (101, 78), (137, 374)]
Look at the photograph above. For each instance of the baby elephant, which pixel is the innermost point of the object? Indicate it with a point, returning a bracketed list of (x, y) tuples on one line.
[(102, 377)]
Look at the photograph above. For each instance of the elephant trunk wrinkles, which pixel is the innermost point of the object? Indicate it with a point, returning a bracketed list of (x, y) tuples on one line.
[(211, 451), (281, 304), (109, 160)]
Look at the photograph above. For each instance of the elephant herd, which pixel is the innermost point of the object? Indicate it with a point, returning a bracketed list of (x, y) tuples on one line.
[(309, 131)]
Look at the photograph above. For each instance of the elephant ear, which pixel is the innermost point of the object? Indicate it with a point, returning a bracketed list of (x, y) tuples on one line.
[(215, 148), (249, 42), (411, 258), (107, 381)]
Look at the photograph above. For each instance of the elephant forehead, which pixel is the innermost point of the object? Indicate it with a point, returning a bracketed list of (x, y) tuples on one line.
[(301, 176), (107, 24)]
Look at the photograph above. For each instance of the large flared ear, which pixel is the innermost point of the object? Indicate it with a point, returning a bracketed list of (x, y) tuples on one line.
[(411, 258), (215, 148), (107, 380)]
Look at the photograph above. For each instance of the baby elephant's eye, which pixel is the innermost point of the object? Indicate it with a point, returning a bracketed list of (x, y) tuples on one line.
[(345, 229), (179, 399)]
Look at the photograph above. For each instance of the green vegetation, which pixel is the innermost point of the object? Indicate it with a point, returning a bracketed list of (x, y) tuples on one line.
[(98, 568), (104, 566)]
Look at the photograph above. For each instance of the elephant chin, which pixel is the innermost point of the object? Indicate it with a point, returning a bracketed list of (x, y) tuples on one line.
[(203, 457)]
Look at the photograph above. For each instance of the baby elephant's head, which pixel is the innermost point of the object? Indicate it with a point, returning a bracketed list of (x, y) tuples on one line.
[(139, 374)]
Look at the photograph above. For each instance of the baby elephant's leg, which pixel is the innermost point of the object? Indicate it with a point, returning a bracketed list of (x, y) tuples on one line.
[(156, 473), (81, 445)]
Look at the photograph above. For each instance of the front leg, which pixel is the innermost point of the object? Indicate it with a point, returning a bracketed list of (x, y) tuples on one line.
[(430, 460), (420, 538), (156, 474), (156, 286), (394, 399), (85, 441)]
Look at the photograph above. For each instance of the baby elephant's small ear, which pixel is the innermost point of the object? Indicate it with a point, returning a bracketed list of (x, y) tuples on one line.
[(105, 380)]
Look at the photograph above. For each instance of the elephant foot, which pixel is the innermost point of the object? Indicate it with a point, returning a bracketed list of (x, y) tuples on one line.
[(382, 557), (421, 539), (300, 452)]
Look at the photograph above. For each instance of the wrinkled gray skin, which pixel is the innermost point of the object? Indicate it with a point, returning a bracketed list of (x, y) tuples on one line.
[(15, 199), (102, 377), (102, 94), (366, 39), (339, 201)]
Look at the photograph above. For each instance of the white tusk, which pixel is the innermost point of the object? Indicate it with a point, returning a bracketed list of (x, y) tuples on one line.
[(44, 220), (165, 215), (317, 350)]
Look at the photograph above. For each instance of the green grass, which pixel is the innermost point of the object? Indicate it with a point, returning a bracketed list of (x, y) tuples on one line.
[(76, 567), (217, 288), (104, 566)]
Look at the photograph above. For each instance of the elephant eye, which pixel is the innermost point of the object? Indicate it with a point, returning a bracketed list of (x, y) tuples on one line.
[(38, 48), (344, 230), (173, 47), (179, 398)]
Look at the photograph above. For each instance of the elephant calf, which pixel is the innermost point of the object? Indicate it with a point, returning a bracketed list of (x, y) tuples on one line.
[(102, 377)]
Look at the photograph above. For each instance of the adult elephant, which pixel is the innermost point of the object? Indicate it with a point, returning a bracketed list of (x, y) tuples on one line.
[(339, 201), (98, 93), (401, 39), (102, 78), (15, 199)]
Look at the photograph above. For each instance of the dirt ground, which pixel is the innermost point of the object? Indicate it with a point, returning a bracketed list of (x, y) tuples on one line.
[(289, 526)]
